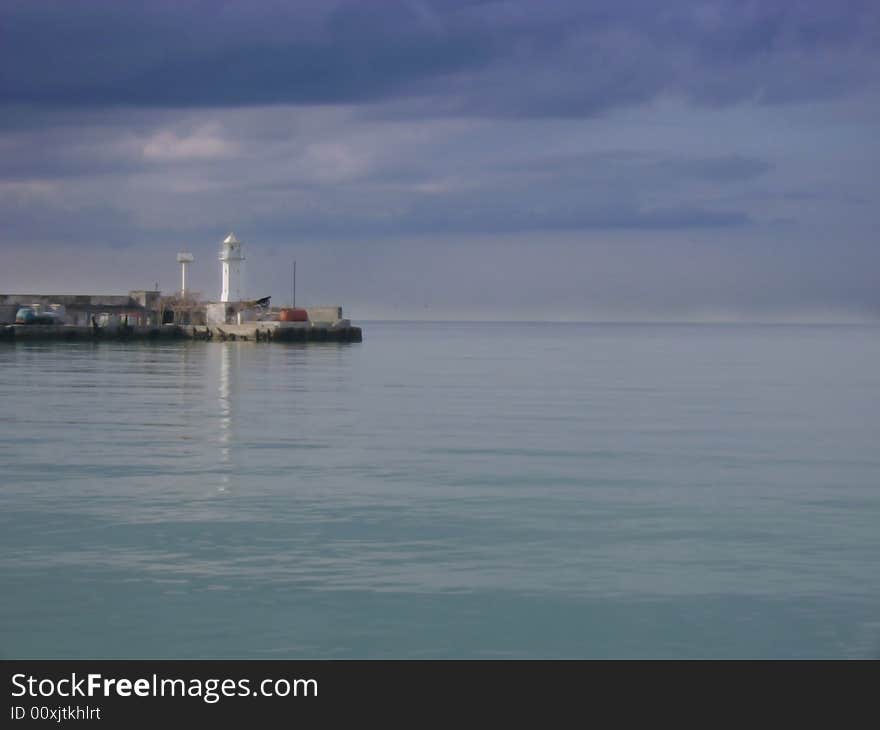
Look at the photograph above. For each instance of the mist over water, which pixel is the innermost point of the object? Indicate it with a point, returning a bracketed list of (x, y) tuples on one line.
[(445, 490)]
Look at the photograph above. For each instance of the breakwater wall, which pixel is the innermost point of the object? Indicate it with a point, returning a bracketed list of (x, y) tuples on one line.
[(248, 332)]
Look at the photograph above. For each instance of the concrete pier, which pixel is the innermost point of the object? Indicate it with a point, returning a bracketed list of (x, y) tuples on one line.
[(341, 331)]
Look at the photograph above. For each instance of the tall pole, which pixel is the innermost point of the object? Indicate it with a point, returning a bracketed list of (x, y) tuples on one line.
[(184, 259), (294, 284)]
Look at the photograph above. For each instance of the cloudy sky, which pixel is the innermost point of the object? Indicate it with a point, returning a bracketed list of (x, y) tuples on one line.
[(560, 159)]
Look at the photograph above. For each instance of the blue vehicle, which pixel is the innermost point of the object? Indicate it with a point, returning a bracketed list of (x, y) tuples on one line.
[(28, 315)]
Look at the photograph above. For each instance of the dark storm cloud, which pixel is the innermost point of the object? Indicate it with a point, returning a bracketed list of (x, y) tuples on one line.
[(722, 168), (483, 58), (460, 214), (215, 53)]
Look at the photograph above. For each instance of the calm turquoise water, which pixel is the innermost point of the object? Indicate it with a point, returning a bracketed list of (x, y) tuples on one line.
[(446, 490)]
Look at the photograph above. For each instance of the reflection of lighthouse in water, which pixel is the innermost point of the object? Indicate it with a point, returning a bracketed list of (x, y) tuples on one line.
[(231, 258), (225, 402)]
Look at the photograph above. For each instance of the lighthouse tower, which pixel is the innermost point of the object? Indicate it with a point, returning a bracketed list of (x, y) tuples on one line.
[(231, 257)]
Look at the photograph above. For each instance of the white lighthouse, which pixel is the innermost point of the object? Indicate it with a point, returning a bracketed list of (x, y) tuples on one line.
[(231, 257)]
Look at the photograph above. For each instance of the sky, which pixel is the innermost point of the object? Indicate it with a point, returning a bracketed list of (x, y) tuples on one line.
[(451, 159)]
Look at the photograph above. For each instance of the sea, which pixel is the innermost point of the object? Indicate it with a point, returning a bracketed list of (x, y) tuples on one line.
[(446, 490)]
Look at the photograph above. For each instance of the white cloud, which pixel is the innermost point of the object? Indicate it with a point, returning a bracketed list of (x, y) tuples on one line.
[(203, 143)]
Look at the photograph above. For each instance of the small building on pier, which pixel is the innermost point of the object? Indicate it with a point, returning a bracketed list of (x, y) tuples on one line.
[(138, 308)]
